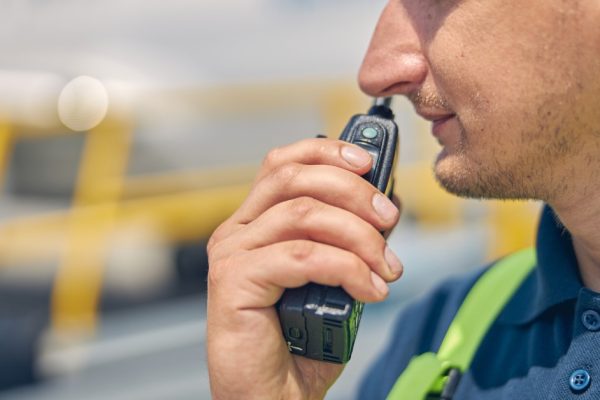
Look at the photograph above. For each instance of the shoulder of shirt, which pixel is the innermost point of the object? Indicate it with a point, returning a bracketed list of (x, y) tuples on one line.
[(420, 327)]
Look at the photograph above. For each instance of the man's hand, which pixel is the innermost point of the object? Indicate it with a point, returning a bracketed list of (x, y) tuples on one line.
[(310, 217)]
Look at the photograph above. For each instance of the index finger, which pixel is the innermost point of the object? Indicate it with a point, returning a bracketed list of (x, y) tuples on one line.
[(318, 151)]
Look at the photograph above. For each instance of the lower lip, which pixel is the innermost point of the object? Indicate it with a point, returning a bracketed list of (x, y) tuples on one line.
[(439, 125)]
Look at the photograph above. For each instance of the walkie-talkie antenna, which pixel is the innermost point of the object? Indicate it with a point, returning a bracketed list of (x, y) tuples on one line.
[(383, 101), (381, 107)]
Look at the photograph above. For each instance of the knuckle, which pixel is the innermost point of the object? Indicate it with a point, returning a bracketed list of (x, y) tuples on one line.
[(284, 175), (345, 268), (272, 158), (301, 207), (323, 148), (217, 271), (215, 238), (302, 251), (353, 268), (212, 243), (214, 250), (355, 265), (214, 274)]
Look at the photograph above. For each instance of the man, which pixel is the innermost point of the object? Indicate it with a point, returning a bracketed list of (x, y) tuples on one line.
[(512, 88)]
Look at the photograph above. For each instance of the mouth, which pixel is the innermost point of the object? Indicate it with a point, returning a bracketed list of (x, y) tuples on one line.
[(439, 119), (439, 124)]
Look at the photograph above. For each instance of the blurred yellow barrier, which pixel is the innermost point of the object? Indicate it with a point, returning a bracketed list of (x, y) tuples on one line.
[(78, 281), (179, 217), (32, 240), (104, 159), (337, 106), (6, 140), (423, 197), (329, 96), (514, 226), (188, 181), (100, 186)]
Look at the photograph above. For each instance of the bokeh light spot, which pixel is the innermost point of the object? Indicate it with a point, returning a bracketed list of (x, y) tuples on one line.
[(83, 103)]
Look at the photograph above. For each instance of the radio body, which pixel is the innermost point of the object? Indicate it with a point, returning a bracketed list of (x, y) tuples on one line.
[(321, 322)]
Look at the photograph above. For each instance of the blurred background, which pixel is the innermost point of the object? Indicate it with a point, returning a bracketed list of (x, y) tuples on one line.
[(129, 129)]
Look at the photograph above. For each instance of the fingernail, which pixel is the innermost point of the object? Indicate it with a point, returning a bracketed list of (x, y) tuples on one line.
[(384, 207), (393, 261), (379, 284), (355, 156)]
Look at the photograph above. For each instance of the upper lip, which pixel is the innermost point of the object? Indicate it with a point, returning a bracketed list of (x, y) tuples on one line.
[(434, 115)]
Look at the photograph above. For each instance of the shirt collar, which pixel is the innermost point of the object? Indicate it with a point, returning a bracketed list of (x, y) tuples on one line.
[(554, 280)]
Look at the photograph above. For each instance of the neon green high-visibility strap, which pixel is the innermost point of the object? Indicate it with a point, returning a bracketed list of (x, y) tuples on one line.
[(426, 373)]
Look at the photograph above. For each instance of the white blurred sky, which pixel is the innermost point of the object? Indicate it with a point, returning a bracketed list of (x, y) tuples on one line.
[(187, 41)]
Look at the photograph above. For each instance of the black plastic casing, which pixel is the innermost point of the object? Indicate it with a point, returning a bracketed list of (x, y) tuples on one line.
[(321, 322)]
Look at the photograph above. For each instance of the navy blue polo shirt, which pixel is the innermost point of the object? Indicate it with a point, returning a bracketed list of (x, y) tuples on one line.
[(545, 344)]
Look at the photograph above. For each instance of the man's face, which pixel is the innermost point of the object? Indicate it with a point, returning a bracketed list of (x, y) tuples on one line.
[(513, 88)]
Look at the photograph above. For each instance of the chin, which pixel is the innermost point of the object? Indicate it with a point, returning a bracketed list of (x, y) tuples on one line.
[(453, 177), (457, 175)]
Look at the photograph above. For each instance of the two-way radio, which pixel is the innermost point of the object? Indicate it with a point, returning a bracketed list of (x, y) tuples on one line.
[(321, 322)]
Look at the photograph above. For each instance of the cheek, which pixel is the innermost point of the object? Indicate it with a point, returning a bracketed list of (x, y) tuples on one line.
[(494, 83)]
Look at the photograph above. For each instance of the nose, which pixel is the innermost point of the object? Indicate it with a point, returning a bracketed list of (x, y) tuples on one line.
[(394, 63)]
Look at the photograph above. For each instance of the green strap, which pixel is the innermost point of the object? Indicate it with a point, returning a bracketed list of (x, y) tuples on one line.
[(426, 373)]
